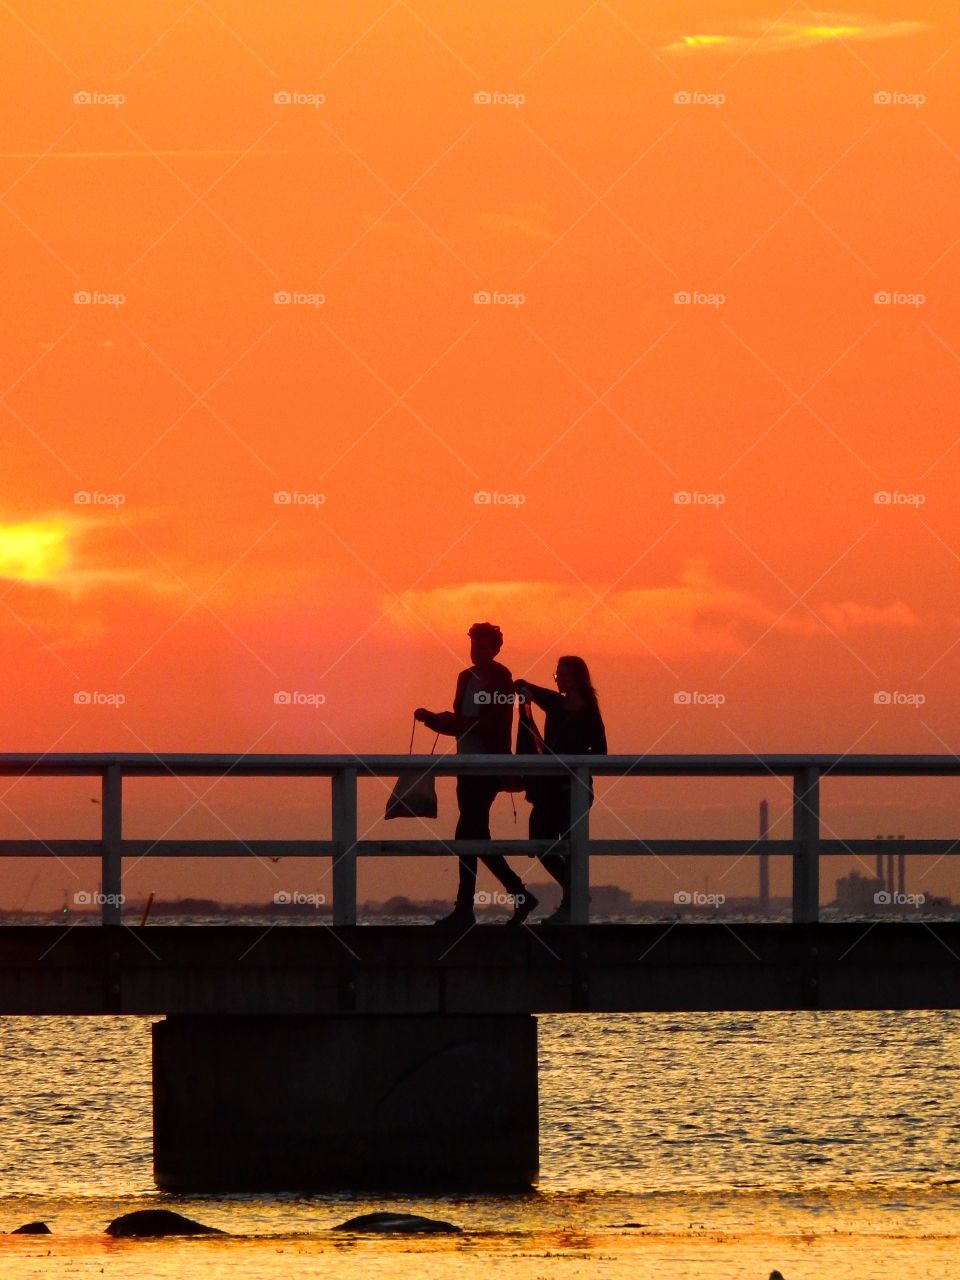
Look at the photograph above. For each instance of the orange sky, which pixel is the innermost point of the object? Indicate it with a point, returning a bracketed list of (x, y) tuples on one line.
[(597, 198)]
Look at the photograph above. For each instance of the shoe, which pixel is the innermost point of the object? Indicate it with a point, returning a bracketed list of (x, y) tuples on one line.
[(525, 905), (457, 919), (560, 916)]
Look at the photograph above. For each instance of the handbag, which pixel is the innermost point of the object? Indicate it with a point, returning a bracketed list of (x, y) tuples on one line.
[(414, 794), (529, 742)]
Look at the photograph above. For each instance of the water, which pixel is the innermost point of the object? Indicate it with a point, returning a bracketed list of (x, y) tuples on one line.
[(822, 1144)]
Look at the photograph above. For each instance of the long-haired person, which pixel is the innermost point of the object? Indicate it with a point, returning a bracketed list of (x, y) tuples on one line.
[(573, 726)]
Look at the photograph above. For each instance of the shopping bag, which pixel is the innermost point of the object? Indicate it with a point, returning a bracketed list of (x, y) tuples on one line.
[(414, 793), (529, 742)]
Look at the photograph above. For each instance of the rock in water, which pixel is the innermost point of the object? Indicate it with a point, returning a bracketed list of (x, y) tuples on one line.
[(159, 1222), (399, 1222), (32, 1229)]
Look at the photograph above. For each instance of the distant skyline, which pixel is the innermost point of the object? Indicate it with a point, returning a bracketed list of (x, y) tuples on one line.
[(330, 332)]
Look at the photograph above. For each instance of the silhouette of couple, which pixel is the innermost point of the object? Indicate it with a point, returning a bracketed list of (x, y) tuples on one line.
[(482, 721)]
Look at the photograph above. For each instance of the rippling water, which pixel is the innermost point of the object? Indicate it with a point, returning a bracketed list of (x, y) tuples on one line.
[(823, 1144)]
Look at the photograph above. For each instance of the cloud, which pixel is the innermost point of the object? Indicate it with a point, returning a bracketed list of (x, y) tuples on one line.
[(699, 614), (760, 36), (65, 554)]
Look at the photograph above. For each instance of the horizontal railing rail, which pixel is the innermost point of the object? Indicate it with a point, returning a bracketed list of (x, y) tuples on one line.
[(805, 846)]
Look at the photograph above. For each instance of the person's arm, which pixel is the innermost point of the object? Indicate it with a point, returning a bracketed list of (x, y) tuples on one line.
[(545, 699), (438, 721), (445, 722)]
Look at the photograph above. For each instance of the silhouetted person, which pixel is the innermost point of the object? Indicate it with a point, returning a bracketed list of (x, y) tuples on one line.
[(481, 721), (573, 726)]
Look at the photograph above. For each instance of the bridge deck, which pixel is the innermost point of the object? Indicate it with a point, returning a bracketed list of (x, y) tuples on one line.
[(242, 969)]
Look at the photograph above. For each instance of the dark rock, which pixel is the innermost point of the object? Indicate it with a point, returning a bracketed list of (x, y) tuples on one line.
[(158, 1222), (399, 1222), (32, 1229)]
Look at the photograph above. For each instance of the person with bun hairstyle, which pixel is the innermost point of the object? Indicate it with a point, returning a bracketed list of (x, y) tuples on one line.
[(482, 722)]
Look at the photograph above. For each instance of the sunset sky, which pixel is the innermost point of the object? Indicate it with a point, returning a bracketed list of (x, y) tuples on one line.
[(814, 165)]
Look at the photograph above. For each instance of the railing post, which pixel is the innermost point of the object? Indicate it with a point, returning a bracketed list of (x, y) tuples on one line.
[(578, 869), (345, 846), (111, 807), (806, 839)]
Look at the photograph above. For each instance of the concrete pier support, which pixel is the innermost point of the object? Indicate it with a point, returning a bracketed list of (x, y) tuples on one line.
[(355, 1102)]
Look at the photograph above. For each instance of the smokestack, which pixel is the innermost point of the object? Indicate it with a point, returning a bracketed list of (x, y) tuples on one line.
[(901, 871), (890, 873), (880, 862), (764, 857)]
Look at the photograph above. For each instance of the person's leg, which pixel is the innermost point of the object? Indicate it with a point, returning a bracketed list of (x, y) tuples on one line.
[(548, 822), (474, 799), (543, 826)]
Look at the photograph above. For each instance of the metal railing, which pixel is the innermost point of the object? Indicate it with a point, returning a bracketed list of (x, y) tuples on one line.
[(805, 846)]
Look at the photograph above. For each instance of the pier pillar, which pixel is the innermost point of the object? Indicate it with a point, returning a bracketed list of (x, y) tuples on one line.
[(353, 1102)]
